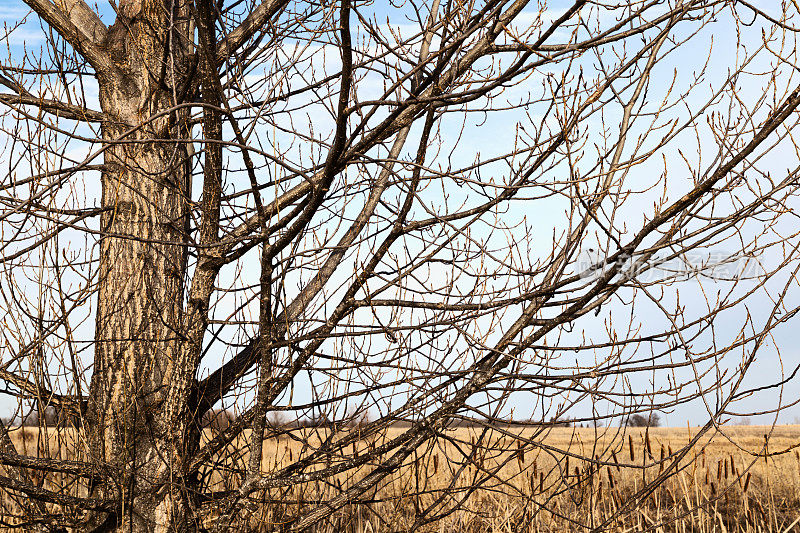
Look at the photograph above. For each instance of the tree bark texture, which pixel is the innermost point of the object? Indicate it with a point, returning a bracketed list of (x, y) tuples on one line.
[(137, 405)]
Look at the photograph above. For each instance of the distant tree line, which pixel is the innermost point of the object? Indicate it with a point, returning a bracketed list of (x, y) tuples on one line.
[(637, 420), (222, 419)]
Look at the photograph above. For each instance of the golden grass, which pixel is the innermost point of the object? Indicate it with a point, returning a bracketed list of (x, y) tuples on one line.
[(724, 483)]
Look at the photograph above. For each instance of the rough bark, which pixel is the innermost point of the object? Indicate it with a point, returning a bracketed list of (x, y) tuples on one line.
[(137, 409)]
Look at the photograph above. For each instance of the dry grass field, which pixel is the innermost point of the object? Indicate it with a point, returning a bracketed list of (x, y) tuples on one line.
[(723, 483)]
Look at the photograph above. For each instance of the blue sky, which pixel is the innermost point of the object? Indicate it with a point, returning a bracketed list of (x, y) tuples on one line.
[(703, 64)]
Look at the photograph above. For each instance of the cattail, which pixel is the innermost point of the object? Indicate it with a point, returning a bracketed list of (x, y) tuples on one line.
[(532, 481), (290, 455), (719, 470), (630, 446), (647, 444), (520, 454), (669, 448), (534, 467), (705, 481), (760, 508), (435, 463), (566, 467), (541, 481), (577, 474), (726, 467), (713, 489), (746, 483), (661, 462), (610, 480)]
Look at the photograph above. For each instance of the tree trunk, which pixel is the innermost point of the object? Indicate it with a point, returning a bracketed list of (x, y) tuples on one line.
[(137, 401)]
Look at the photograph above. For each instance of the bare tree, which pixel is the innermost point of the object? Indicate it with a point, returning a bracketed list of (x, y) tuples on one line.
[(651, 420), (302, 211)]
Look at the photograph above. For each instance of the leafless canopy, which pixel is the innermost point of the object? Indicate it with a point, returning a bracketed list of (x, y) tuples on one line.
[(361, 233)]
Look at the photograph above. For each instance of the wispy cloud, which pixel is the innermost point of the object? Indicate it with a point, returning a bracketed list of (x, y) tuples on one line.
[(13, 12), (24, 36)]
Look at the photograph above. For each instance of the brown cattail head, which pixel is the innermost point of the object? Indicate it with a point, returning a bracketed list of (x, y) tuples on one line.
[(746, 483), (630, 447), (719, 470), (614, 456), (435, 463)]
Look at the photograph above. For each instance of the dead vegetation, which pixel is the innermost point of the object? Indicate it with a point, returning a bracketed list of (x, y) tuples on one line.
[(479, 480)]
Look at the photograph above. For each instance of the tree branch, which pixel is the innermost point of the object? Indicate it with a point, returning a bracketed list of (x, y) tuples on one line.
[(69, 404), (45, 495), (216, 385), (79, 25), (63, 466), (251, 25), (54, 107)]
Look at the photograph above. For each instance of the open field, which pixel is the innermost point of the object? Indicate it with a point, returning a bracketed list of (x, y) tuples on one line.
[(721, 484)]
